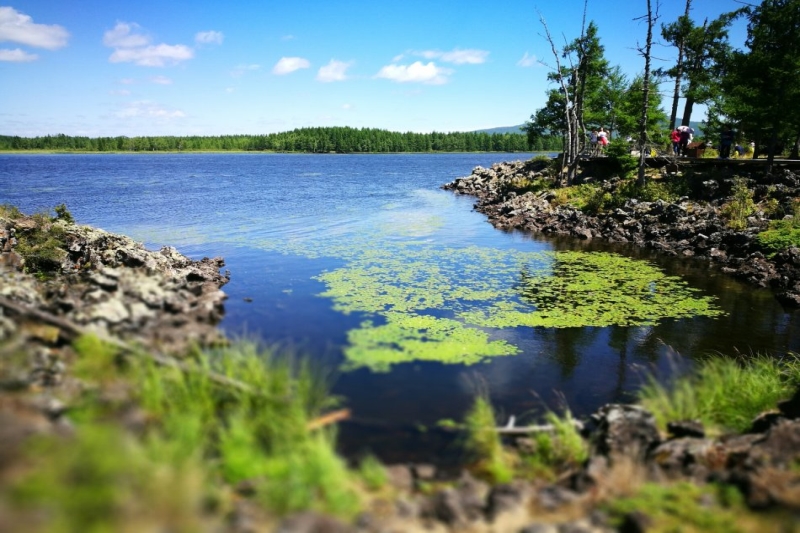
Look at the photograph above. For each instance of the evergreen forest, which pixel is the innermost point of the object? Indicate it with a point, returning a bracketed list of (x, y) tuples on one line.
[(305, 140)]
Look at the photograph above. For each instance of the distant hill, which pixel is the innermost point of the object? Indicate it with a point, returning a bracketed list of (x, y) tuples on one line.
[(505, 129)]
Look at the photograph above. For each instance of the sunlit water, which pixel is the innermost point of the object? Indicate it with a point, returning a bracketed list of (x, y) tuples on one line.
[(282, 221)]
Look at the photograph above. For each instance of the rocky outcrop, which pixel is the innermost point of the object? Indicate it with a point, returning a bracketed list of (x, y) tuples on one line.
[(687, 227), (112, 285)]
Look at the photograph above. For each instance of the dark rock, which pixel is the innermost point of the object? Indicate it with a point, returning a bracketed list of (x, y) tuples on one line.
[(447, 507), (309, 522), (686, 428), (552, 497), (684, 457), (623, 430), (791, 408), (635, 522), (400, 477), (505, 497)]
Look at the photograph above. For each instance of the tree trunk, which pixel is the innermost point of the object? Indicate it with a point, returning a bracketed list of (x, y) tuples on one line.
[(687, 111), (645, 97), (678, 76)]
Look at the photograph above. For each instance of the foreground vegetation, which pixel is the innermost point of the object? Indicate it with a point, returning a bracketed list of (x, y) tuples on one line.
[(307, 140)]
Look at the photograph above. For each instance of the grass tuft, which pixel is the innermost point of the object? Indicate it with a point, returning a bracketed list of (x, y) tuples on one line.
[(557, 451), (483, 442), (724, 394)]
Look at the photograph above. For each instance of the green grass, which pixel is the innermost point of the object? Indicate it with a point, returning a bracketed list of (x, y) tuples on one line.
[(372, 473), (724, 394), (483, 442), (782, 234), (194, 440), (557, 451), (681, 507)]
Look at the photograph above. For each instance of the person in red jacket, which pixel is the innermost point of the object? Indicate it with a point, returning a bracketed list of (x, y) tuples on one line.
[(676, 141)]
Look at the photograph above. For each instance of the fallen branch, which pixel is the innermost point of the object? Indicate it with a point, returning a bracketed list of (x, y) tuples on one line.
[(328, 419)]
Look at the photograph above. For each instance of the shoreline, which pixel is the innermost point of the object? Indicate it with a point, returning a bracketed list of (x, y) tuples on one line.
[(266, 152), (690, 226)]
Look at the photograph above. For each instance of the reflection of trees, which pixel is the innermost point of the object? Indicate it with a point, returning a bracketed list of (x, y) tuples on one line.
[(568, 345)]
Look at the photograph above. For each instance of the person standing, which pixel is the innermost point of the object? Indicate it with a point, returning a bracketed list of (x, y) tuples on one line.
[(593, 142), (726, 141), (602, 139), (675, 136)]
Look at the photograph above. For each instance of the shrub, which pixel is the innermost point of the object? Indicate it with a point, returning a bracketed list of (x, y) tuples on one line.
[(62, 213), (623, 163), (740, 206), (782, 234), (10, 212)]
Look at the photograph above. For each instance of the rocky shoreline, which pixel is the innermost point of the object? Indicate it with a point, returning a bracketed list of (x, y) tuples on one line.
[(688, 227), (110, 285)]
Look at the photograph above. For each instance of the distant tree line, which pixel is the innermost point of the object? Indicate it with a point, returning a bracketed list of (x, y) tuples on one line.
[(308, 140)]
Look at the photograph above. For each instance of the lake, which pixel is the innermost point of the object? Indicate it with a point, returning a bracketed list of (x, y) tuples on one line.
[(404, 293)]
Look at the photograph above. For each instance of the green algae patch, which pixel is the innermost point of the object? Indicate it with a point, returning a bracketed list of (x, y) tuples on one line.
[(410, 337), (594, 290), (480, 289)]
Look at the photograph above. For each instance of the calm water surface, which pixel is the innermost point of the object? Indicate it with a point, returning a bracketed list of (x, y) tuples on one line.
[(282, 220)]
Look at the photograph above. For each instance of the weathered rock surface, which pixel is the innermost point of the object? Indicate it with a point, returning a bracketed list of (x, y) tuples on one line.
[(112, 285)]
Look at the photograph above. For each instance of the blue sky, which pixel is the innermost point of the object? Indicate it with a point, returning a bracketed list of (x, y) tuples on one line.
[(145, 67)]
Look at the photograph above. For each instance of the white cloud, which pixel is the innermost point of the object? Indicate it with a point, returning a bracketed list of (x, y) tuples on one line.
[(19, 28), (161, 80), (209, 37), (239, 70), (148, 109), (122, 37), (230, 89), (16, 56), (456, 56), (334, 71), (528, 61), (153, 56), (416, 72), (347, 106), (287, 65), (131, 47), (288, 38), (127, 81), (120, 92)]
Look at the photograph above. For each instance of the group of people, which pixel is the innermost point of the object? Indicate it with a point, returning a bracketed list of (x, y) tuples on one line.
[(681, 137), (598, 140)]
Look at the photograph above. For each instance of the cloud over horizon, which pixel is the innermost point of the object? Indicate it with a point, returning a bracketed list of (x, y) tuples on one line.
[(287, 65), (416, 72), (16, 55), (148, 109), (209, 37), (133, 47), (528, 61), (334, 71)]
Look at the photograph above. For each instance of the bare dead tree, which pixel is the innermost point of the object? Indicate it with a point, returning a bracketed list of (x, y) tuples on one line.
[(570, 158), (650, 19)]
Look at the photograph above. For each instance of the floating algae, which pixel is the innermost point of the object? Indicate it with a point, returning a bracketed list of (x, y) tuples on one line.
[(426, 302), (410, 286)]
